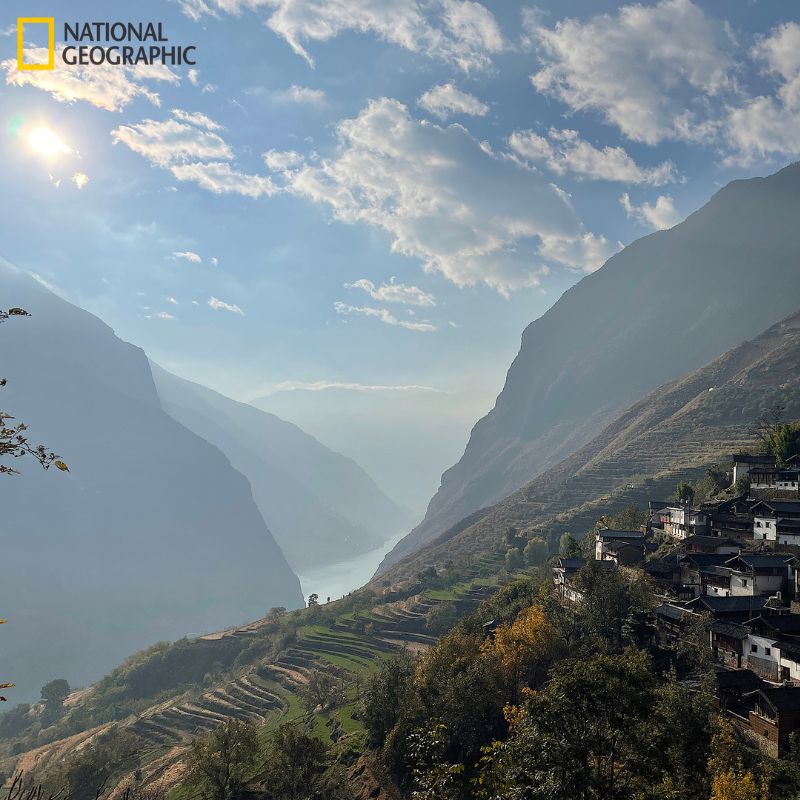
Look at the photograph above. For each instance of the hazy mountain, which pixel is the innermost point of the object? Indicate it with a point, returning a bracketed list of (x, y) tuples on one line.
[(404, 438), (151, 535), (320, 506), (669, 435), (665, 305)]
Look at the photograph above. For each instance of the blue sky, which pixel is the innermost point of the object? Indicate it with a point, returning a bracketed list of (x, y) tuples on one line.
[(378, 193)]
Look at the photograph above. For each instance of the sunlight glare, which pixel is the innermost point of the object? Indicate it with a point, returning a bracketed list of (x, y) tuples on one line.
[(47, 143)]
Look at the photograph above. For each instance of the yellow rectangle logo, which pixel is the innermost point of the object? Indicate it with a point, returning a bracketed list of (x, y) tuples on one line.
[(51, 42)]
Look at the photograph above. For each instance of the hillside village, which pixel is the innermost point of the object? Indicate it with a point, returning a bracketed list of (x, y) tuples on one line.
[(733, 566)]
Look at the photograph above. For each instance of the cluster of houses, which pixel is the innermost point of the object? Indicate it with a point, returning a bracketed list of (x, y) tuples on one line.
[(733, 567)]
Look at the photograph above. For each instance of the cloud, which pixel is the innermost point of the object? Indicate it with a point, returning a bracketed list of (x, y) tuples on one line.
[(221, 305), (170, 141), (460, 32), (649, 70), (301, 95), (165, 315), (187, 255), (384, 316), (585, 253), (394, 292), (104, 86), (563, 151), (80, 179), (172, 301), (194, 76), (445, 100), (442, 197), (279, 160), (197, 118), (767, 125), (660, 216), (322, 386), (189, 148)]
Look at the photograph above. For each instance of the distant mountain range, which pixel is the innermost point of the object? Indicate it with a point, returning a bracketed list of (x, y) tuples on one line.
[(320, 506), (156, 531), (671, 434), (662, 307)]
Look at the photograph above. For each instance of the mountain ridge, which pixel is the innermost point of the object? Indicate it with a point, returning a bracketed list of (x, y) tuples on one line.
[(613, 331)]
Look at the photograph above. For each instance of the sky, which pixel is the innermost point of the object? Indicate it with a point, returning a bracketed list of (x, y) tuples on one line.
[(370, 199)]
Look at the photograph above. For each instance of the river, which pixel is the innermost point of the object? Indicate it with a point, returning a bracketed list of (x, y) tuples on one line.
[(336, 580)]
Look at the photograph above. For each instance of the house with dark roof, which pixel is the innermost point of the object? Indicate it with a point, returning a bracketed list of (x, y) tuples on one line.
[(773, 717), (766, 635), (697, 543), (605, 538), (760, 573), (743, 463), (684, 521), (775, 482), (776, 521)]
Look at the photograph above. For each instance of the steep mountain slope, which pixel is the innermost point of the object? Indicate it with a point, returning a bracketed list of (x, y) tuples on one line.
[(319, 505), (151, 535), (665, 305), (669, 435)]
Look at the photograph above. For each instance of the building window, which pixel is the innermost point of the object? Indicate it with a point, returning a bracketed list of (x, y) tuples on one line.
[(744, 581), (767, 651), (753, 648)]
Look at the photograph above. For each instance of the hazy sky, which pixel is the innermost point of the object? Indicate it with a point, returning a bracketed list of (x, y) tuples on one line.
[(377, 193)]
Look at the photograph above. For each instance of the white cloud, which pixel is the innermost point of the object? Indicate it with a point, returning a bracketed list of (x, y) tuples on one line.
[(187, 255), (107, 87), (322, 386), (194, 76), (301, 95), (165, 315), (461, 32), (279, 160), (660, 216), (384, 316), (563, 151), (172, 301), (446, 99), (649, 70), (187, 147), (169, 141), (221, 305), (197, 118), (394, 292), (767, 125), (441, 197), (214, 261), (221, 178), (80, 179), (585, 253)]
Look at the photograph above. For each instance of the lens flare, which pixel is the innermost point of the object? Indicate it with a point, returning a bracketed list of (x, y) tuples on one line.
[(47, 143)]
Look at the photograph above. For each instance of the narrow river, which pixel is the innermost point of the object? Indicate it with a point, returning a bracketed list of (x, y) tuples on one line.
[(336, 580)]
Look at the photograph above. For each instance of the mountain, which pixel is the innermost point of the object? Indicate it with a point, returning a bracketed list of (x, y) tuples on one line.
[(664, 306), (151, 535), (671, 434), (320, 506), (403, 436)]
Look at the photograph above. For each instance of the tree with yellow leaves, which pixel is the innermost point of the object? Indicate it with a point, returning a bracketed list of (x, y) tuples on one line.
[(730, 778), (524, 650)]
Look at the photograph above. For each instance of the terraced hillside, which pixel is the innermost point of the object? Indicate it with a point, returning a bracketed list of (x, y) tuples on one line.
[(669, 435), (269, 691)]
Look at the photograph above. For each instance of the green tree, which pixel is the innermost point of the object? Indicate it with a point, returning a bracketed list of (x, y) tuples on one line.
[(684, 493), (514, 559), (54, 694), (219, 762), (322, 690), (785, 442), (536, 552), (297, 768), (568, 546), (388, 697), (441, 618)]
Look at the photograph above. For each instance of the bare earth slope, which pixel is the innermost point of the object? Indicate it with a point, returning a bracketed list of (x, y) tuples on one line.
[(665, 305)]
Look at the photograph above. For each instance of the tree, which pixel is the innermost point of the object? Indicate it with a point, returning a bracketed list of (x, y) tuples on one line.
[(441, 618), (297, 767), (785, 442), (567, 546), (684, 493), (219, 762), (514, 559), (14, 441), (536, 552), (313, 600), (322, 690), (54, 694), (524, 651), (388, 696)]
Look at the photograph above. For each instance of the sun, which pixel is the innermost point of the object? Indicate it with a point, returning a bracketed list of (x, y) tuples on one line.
[(47, 143)]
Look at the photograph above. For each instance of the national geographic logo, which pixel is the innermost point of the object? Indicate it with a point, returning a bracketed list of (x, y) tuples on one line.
[(96, 44)]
